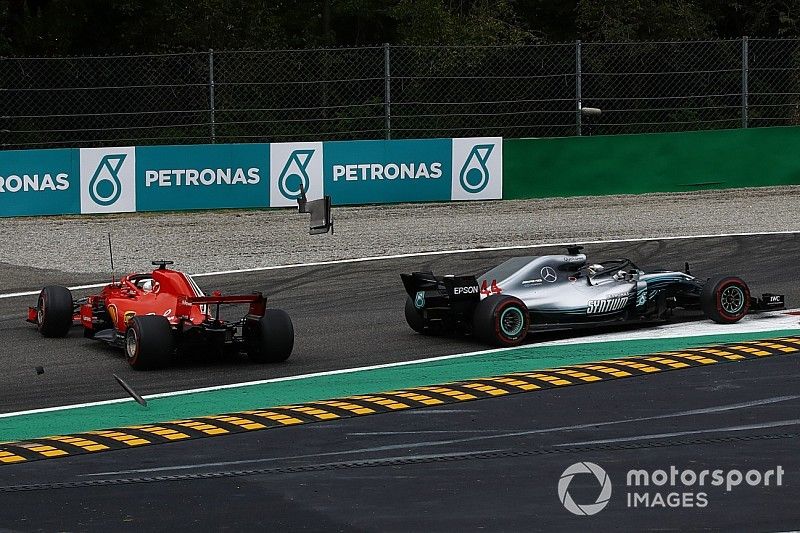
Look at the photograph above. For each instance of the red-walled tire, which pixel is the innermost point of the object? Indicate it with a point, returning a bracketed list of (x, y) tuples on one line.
[(54, 311), (501, 320), (725, 299)]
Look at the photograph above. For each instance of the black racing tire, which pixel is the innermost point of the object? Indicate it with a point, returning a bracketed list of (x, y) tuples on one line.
[(725, 299), (149, 342), (417, 321), (271, 338), (54, 311), (501, 320)]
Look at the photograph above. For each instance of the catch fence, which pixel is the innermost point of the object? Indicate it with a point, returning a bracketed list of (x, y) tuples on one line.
[(380, 92)]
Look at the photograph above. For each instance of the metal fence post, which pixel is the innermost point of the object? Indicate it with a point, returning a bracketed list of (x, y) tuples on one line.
[(387, 87), (578, 95), (745, 68), (211, 102)]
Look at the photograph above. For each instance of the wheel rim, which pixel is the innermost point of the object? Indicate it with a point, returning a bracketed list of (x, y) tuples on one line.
[(40, 311), (732, 300), (511, 322), (130, 343)]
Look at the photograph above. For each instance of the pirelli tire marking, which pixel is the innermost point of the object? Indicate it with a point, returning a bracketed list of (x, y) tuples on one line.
[(386, 402)]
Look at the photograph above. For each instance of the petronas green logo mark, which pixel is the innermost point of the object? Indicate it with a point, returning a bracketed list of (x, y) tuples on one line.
[(474, 174), (419, 301), (294, 177), (105, 187)]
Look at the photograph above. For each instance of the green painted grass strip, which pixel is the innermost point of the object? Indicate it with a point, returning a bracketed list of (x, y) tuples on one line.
[(529, 357)]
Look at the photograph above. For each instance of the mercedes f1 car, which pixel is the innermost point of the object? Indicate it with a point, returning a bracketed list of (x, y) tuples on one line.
[(156, 315), (557, 292)]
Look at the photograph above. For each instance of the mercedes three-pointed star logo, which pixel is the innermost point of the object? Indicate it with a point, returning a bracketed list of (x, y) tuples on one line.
[(549, 275)]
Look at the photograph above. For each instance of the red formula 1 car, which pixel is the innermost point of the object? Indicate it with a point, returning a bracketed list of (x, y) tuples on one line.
[(155, 315)]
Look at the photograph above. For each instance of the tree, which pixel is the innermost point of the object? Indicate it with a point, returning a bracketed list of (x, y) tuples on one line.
[(636, 20), (80, 27), (477, 22), (758, 18)]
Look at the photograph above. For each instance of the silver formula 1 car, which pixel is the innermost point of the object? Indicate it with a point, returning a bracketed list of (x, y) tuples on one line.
[(553, 292)]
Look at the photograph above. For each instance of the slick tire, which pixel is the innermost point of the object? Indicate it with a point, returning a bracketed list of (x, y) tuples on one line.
[(501, 320), (271, 338), (54, 311), (149, 342), (725, 299), (417, 322)]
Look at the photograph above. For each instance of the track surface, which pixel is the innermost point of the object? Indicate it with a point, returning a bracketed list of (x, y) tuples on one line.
[(489, 464), (345, 315)]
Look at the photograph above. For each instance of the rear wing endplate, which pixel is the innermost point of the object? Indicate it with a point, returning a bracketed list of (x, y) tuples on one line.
[(320, 211)]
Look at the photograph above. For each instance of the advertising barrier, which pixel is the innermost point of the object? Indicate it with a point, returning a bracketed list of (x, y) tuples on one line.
[(39, 182), (406, 171), (201, 177), (167, 178), (295, 167), (108, 180), (652, 162)]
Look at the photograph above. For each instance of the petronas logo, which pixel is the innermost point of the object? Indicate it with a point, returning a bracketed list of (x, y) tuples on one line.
[(641, 298), (105, 187), (294, 176), (419, 301), (474, 174)]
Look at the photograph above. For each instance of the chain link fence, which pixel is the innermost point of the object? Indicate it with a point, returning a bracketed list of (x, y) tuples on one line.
[(398, 92)]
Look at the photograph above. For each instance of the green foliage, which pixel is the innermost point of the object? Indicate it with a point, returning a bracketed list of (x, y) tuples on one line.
[(636, 20), (480, 22), (73, 27)]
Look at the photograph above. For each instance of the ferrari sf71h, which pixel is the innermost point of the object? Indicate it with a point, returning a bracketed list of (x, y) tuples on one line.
[(150, 315), (558, 292), (156, 315)]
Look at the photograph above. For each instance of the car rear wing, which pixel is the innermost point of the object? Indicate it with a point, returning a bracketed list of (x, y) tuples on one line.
[(440, 291), (257, 301), (320, 211)]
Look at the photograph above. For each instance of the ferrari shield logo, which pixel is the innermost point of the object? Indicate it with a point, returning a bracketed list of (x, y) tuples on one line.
[(419, 301), (112, 313)]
